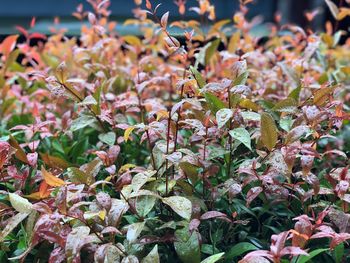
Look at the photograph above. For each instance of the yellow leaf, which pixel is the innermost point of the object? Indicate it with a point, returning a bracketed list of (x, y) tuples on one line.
[(102, 214), (346, 70), (248, 104), (162, 114), (126, 167), (131, 22), (62, 72), (268, 131), (234, 42), (50, 179), (343, 12), (132, 40), (127, 133)]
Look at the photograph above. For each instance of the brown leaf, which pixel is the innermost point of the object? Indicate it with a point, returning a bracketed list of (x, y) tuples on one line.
[(268, 131)]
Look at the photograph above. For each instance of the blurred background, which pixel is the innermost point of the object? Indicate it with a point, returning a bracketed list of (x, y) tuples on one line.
[(20, 12)]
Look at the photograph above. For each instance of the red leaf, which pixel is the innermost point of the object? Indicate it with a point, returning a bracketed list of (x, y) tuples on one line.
[(8, 44), (38, 35), (48, 227), (148, 4), (32, 23), (22, 30)]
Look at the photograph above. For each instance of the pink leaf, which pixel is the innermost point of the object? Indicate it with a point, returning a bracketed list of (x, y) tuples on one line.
[(253, 193), (194, 224), (214, 214), (164, 20), (294, 251)]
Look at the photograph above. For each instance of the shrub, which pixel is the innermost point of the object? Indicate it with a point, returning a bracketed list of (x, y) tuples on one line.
[(211, 145)]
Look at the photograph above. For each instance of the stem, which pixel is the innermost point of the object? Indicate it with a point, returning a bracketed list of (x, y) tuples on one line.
[(167, 152), (179, 114), (229, 136), (204, 156)]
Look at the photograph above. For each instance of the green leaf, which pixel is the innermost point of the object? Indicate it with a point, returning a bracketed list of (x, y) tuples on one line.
[(209, 249), (190, 170), (152, 257), (198, 77), (314, 253), (134, 230), (295, 93), (187, 246), (88, 100), (82, 122), (144, 204), (223, 116), (79, 177), (181, 205), (210, 51), (339, 253), (250, 116), (241, 79), (239, 249), (140, 179), (268, 131), (12, 58), (215, 104), (19, 203), (216, 151), (286, 123), (288, 105), (213, 258), (97, 96), (107, 138), (242, 135)]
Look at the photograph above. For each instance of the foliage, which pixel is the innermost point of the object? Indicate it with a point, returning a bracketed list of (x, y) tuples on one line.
[(211, 146)]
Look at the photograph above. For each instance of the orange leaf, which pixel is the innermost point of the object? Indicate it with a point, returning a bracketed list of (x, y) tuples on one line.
[(8, 44), (50, 179), (44, 190)]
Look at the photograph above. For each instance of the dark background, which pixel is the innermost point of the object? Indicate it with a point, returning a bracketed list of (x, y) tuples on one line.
[(20, 12)]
